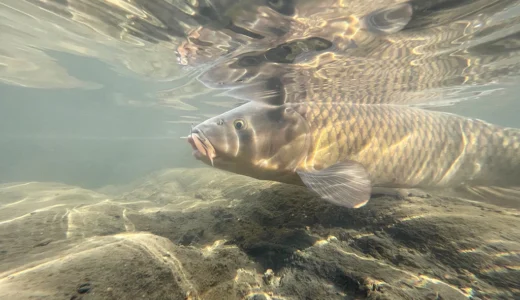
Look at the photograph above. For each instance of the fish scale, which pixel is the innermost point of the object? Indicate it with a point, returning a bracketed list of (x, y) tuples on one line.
[(341, 151), (404, 146)]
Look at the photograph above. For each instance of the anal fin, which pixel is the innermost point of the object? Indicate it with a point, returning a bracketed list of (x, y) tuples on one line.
[(345, 184)]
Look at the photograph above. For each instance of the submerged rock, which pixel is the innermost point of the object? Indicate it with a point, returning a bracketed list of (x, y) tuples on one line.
[(206, 234)]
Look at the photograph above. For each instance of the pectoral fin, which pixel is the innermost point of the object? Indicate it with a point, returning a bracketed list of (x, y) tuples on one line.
[(388, 20), (345, 184)]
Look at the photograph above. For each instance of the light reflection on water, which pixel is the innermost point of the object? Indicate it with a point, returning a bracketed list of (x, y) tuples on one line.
[(98, 63), (97, 93)]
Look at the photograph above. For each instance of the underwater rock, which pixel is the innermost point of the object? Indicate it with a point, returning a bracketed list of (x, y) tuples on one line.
[(124, 266), (207, 234)]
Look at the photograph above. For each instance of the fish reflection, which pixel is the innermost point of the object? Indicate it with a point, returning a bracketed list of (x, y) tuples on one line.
[(267, 24), (341, 151), (263, 24), (368, 52), (142, 36), (419, 64)]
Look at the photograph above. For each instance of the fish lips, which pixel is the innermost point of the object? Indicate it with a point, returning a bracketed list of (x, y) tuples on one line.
[(202, 148)]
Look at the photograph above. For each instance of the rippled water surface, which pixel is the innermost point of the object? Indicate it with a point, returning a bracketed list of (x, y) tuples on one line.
[(97, 98)]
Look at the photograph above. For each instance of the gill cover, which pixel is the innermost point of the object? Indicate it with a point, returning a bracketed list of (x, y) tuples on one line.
[(258, 139), (276, 137)]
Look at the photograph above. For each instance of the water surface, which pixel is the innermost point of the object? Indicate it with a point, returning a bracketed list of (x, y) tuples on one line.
[(96, 97)]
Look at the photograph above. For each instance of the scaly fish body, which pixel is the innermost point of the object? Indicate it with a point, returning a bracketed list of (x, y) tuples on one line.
[(342, 150), (409, 147)]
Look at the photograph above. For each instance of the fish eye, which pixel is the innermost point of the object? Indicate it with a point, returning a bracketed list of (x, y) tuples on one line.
[(239, 124)]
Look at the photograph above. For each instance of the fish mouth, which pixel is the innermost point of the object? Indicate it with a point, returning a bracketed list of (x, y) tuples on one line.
[(202, 148)]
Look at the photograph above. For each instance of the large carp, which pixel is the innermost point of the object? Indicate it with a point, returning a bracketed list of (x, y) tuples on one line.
[(341, 151)]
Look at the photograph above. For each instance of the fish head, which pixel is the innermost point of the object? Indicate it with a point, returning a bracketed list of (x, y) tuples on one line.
[(255, 139)]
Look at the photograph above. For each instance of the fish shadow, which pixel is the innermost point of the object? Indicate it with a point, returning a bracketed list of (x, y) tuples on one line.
[(269, 225), (282, 219)]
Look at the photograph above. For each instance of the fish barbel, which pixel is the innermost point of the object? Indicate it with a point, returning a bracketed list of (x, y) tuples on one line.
[(341, 151)]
